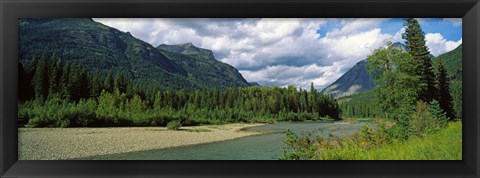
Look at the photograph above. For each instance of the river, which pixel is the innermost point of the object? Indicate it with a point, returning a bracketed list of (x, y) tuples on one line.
[(266, 146)]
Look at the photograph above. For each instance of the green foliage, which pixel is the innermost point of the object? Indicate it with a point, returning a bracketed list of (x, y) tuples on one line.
[(174, 125), (397, 87)]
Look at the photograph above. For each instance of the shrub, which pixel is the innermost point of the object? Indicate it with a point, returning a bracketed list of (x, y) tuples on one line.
[(174, 125), (300, 147)]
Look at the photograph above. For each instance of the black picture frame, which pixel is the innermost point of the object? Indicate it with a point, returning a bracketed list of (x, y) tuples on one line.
[(11, 10)]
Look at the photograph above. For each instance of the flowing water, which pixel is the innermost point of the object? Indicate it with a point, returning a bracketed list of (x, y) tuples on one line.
[(266, 146)]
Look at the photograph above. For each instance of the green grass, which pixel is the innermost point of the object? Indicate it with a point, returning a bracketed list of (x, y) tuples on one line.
[(443, 145)]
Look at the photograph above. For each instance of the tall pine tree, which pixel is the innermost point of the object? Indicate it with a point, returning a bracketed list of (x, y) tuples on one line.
[(415, 40), (443, 96)]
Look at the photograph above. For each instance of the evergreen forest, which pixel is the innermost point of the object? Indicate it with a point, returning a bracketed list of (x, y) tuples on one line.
[(56, 93)]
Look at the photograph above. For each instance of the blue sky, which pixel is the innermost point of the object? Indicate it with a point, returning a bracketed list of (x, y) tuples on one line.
[(449, 30), (280, 52)]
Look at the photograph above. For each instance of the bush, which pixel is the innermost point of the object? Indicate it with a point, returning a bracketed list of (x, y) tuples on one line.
[(438, 113), (423, 122), (38, 122), (174, 125)]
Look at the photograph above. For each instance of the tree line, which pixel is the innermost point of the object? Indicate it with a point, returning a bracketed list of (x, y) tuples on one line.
[(56, 93)]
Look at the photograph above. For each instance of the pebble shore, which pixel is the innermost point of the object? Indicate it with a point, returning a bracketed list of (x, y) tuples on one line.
[(75, 143)]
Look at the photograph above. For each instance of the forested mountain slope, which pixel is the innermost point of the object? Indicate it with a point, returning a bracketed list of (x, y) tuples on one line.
[(97, 46)]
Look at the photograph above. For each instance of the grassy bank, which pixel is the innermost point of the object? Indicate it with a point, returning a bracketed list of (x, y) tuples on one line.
[(443, 145)]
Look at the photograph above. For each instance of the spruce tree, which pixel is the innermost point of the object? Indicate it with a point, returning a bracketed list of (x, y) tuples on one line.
[(415, 40), (64, 80), (40, 79), (313, 98), (97, 84), (120, 83), (108, 82), (55, 75), (442, 83)]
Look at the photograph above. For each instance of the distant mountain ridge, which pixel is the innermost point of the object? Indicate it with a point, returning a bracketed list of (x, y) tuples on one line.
[(202, 67), (187, 49), (353, 81), (97, 46), (356, 79)]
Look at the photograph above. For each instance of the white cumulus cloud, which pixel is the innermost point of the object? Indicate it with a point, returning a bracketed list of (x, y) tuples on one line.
[(439, 45), (276, 51)]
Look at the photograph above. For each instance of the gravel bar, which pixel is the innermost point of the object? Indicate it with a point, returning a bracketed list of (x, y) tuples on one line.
[(70, 143)]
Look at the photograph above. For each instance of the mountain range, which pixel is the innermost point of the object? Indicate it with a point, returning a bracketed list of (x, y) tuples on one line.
[(99, 47)]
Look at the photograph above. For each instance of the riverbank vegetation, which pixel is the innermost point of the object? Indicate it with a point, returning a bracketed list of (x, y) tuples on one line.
[(412, 100), (56, 93), (369, 144)]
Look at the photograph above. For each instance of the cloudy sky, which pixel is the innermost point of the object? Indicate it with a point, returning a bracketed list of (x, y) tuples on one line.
[(280, 52)]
